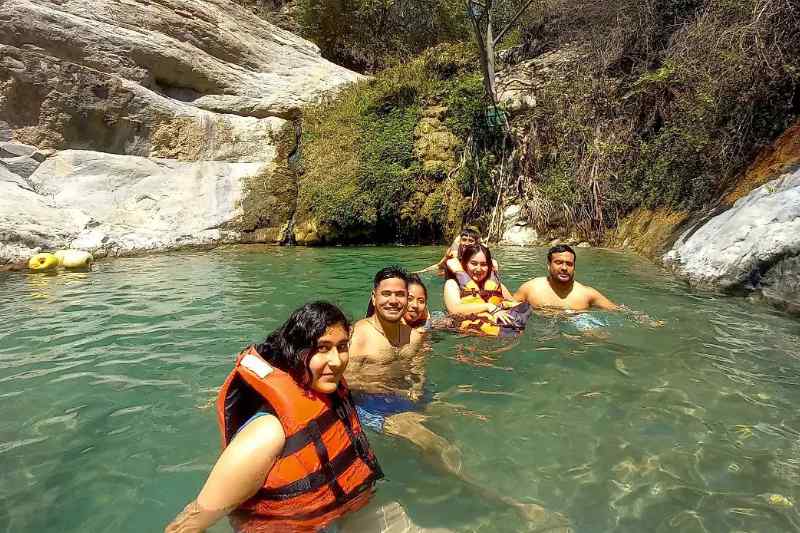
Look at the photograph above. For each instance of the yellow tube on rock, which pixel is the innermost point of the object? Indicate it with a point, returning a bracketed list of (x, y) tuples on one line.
[(43, 262), (74, 258)]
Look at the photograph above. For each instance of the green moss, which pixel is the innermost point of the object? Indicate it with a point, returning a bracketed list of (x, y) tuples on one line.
[(361, 175)]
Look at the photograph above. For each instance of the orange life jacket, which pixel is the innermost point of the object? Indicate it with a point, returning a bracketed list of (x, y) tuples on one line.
[(326, 468)]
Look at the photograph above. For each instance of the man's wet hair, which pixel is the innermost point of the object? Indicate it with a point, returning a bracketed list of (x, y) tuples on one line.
[(470, 232), (390, 272), (560, 249)]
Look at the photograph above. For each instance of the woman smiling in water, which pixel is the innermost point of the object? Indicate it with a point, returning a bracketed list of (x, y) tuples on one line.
[(478, 296), (295, 457), (417, 315)]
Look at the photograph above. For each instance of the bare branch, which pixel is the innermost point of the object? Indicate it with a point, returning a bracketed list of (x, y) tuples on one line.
[(513, 21)]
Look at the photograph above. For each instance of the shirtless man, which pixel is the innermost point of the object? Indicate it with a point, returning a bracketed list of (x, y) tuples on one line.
[(467, 237), (387, 375), (559, 289), (382, 346)]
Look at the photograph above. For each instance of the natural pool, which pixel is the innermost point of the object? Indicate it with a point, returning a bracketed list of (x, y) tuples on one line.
[(106, 378)]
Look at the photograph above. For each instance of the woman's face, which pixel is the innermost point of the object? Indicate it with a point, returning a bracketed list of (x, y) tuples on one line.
[(329, 360), (477, 267), (417, 307)]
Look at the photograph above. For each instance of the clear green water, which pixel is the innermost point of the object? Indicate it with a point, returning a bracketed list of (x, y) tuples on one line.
[(105, 379)]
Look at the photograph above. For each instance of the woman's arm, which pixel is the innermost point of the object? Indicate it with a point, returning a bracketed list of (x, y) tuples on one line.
[(452, 301), (238, 474)]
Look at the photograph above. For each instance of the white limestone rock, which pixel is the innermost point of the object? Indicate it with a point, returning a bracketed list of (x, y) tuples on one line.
[(117, 205), (201, 88), (136, 78), (516, 231), (747, 244)]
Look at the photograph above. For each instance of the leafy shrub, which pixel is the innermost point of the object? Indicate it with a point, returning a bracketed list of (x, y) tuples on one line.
[(669, 101), (361, 175), (368, 35)]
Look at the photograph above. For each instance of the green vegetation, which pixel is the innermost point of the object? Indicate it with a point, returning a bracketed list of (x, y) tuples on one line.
[(368, 35), (658, 103), (667, 103), (365, 177)]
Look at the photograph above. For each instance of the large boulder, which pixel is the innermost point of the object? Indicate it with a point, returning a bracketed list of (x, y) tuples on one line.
[(206, 84), (210, 53), (113, 204), (753, 245)]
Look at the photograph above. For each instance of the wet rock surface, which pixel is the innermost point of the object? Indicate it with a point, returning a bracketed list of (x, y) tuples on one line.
[(752, 246)]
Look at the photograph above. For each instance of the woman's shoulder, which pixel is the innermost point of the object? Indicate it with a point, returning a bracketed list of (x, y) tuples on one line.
[(264, 433)]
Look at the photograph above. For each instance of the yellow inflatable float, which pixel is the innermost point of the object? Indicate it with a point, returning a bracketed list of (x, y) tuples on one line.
[(43, 262), (63, 258), (74, 258)]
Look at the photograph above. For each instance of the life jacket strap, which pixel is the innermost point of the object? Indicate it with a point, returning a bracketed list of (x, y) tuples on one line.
[(344, 406), (304, 437), (327, 508), (316, 479)]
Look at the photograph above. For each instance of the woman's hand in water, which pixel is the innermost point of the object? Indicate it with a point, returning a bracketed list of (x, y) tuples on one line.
[(502, 317)]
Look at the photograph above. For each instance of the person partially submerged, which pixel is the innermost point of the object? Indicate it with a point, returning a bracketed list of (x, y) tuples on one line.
[(287, 420), (451, 262), (417, 315), (476, 295), (559, 290), (387, 374)]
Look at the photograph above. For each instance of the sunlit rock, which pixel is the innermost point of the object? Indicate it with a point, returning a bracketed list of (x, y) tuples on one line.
[(753, 245)]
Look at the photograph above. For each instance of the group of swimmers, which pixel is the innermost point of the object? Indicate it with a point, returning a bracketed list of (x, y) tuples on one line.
[(292, 412)]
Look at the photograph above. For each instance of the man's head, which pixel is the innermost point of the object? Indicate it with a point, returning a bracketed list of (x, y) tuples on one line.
[(389, 294), (561, 263), (468, 237)]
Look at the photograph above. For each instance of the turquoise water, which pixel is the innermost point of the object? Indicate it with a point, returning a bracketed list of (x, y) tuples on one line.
[(106, 379)]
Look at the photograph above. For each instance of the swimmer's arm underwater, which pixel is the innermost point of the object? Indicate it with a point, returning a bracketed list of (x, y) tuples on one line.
[(435, 266), (596, 299), (238, 474)]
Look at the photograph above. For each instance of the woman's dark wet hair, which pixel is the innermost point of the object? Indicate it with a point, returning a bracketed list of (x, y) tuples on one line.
[(414, 279), (470, 251), (390, 272), (290, 347)]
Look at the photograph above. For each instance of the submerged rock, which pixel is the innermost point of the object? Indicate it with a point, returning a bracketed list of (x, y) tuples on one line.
[(754, 245)]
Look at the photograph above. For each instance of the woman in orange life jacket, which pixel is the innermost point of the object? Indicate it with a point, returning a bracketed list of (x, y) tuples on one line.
[(295, 457), (476, 293)]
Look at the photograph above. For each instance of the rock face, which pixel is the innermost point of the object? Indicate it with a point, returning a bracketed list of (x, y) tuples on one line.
[(753, 245), (206, 83), (516, 231), (435, 145), (517, 83)]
